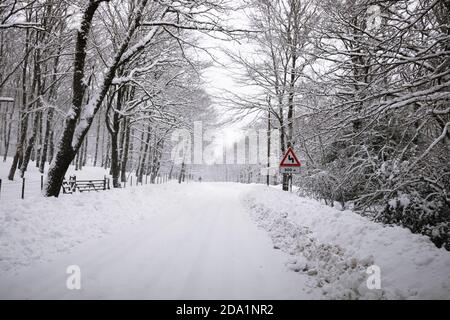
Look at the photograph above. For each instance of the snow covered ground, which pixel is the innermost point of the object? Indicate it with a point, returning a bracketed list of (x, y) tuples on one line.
[(206, 241), (337, 247), (165, 241), (11, 190)]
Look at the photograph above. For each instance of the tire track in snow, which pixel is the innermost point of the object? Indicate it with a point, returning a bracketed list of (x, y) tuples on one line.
[(201, 244)]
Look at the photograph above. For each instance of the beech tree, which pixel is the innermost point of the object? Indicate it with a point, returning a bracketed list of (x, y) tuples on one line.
[(146, 22)]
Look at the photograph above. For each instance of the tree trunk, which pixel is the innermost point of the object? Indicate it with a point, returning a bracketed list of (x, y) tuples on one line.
[(51, 146), (113, 129), (268, 145), (97, 139), (124, 161), (31, 141), (63, 157), (86, 144), (115, 161), (77, 159), (106, 154), (131, 151), (141, 150), (66, 152), (156, 163), (48, 135), (171, 171), (37, 89), (182, 173), (122, 132), (144, 155), (8, 133), (38, 145), (285, 179), (23, 116)]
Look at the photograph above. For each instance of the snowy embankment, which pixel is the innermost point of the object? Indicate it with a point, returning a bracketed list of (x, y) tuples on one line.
[(337, 247), (40, 228), (11, 190)]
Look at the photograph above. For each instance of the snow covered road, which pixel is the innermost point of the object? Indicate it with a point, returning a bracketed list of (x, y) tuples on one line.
[(194, 241), (209, 241)]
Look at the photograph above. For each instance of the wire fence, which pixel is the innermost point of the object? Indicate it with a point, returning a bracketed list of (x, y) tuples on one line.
[(20, 189)]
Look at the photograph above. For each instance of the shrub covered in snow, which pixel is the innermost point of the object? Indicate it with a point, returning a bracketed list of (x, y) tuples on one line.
[(376, 126), (420, 215), (388, 178)]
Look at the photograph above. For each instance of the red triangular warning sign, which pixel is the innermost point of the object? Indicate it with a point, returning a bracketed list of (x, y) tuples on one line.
[(290, 159)]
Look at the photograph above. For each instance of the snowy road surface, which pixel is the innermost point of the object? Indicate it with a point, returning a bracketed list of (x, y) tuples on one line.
[(201, 244), (209, 241)]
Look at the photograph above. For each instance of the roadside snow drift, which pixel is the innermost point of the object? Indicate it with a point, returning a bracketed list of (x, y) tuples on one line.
[(337, 247), (202, 241), (41, 228)]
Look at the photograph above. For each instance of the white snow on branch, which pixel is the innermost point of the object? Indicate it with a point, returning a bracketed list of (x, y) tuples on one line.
[(6, 99), (23, 24)]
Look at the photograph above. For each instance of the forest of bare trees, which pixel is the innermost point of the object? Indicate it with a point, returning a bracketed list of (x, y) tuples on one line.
[(360, 88), (131, 65)]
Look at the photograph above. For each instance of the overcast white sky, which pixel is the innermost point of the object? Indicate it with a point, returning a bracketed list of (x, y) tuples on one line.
[(221, 77)]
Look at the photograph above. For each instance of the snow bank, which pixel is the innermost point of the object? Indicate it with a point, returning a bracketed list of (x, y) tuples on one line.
[(338, 246), (11, 190), (39, 228)]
